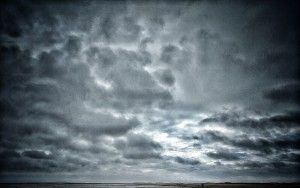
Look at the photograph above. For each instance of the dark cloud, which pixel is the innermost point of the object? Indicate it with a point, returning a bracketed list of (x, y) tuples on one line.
[(205, 38), (11, 13), (145, 97), (54, 116), (186, 161), (50, 65), (144, 42), (36, 154), (17, 66), (276, 166), (94, 89), (131, 28), (105, 57), (224, 155), (168, 53), (133, 86), (166, 77), (107, 29), (34, 162), (284, 94), (111, 127), (25, 166), (122, 29), (237, 120), (291, 157), (139, 147), (7, 154), (262, 145), (281, 19), (73, 45), (290, 117)]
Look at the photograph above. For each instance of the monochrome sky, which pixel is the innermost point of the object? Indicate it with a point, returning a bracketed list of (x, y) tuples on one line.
[(162, 91)]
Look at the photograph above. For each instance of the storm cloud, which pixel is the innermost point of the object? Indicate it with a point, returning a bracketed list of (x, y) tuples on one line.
[(127, 91)]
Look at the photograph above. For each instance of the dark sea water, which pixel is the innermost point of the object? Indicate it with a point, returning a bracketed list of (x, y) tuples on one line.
[(136, 185)]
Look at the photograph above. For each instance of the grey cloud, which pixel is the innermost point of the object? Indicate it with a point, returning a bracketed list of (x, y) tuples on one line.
[(206, 39), (132, 85), (261, 145), (186, 161), (50, 67), (142, 141), (107, 28), (25, 165), (158, 21), (25, 129), (135, 154), (27, 17), (132, 29), (111, 127), (166, 77), (86, 81), (251, 164), (17, 66), (28, 164), (268, 145), (146, 97), (269, 15), (36, 154), (144, 42), (139, 147), (7, 154), (9, 14), (102, 56), (276, 61), (290, 157), (65, 143), (224, 155), (242, 121), (291, 118), (276, 166), (73, 45), (54, 116), (134, 59), (16, 162), (146, 57), (123, 29), (288, 93), (168, 54)]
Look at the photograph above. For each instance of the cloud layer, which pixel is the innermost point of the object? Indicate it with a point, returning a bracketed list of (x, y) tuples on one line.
[(99, 91)]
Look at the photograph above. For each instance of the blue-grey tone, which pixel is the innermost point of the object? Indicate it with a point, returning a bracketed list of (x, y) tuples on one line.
[(149, 91)]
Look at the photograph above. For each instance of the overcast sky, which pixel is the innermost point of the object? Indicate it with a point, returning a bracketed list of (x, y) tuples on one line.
[(172, 91)]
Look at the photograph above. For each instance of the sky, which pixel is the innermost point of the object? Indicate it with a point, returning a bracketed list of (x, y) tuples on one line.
[(149, 91)]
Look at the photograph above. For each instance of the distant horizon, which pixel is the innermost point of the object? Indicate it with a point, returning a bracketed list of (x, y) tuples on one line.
[(151, 183)]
